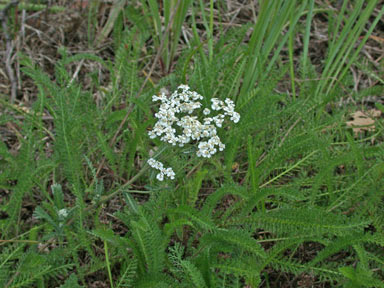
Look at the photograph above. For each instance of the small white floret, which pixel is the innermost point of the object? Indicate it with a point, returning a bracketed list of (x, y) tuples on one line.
[(160, 176)]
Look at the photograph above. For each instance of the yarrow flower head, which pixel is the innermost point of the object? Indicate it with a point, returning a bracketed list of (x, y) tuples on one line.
[(62, 213), (177, 126)]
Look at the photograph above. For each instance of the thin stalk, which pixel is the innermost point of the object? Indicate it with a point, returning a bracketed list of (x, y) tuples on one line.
[(210, 39), (307, 34), (131, 107), (108, 264), (291, 64), (38, 7), (198, 43), (289, 169)]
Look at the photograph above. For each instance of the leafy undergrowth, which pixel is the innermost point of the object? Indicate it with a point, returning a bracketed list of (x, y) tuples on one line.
[(294, 200)]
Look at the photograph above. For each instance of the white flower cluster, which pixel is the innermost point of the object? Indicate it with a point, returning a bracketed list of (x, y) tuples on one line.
[(63, 213), (163, 171), (175, 116)]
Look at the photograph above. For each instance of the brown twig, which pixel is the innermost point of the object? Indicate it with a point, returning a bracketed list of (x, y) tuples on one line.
[(9, 48), (19, 241), (12, 279)]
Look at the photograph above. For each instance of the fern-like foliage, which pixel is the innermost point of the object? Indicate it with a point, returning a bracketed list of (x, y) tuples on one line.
[(20, 269), (187, 273), (128, 274)]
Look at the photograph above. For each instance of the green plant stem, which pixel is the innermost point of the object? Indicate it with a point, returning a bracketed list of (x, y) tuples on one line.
[(289, 169), (108, 264), (291, 62), (130, 108), (210, 40), (37, 7)]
